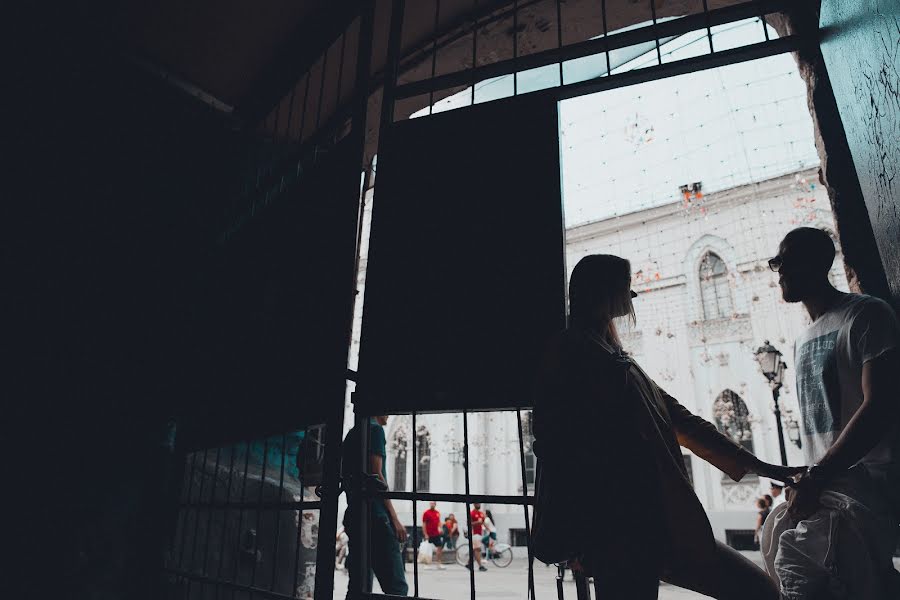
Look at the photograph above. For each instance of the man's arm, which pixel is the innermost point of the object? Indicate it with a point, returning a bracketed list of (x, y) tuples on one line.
[(873, 420), (375, 463), (874, 339), (876, 416)]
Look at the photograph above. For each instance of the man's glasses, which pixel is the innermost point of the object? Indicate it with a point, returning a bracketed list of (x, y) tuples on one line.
[(776, 263)]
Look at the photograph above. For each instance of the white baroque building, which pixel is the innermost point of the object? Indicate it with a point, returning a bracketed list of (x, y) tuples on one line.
[(706, 301)]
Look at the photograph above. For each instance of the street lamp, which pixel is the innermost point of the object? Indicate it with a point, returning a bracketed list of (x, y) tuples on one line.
[(771, 365)]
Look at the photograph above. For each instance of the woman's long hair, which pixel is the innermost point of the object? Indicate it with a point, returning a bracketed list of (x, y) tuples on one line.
[(600, 286)]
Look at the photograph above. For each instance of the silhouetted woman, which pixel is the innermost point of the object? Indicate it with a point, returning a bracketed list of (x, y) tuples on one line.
[(601, 423)]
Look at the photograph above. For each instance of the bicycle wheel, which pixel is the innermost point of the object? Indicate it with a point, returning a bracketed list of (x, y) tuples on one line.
[(462, 554), (502, 555)]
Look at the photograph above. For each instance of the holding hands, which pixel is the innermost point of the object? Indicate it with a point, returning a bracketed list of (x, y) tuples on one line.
[(804, 486), (780, 473)]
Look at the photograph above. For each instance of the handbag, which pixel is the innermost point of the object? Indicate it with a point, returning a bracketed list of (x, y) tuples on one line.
[(552, 538)]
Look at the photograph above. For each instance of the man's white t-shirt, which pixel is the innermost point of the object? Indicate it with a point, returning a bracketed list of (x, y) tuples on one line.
[(829, 357)]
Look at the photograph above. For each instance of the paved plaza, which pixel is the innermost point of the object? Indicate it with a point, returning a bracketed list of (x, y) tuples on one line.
[(501, 584), (506, 584)]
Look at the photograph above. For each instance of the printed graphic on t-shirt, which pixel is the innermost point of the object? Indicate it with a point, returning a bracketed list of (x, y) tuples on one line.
[(816, 374)]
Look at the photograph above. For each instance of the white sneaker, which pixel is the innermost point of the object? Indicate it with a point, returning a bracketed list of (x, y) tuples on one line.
[(442, 568)]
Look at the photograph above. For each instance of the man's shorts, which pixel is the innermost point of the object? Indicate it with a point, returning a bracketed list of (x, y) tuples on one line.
[(476, 540), (437, 541)]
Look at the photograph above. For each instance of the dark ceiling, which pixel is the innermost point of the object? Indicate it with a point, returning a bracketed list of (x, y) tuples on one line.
[(249, 55), (223, 47)]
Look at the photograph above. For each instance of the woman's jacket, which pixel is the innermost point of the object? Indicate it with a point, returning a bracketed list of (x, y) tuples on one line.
[(610, 470)]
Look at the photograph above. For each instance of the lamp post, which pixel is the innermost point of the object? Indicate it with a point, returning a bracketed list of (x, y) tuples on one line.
[(771, 365)]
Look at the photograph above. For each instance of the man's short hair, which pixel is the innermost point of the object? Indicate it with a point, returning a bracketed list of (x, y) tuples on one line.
[(814, 246)]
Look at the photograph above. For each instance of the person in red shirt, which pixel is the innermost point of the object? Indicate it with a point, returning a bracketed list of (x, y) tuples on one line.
[(477, 531), (431, 525)]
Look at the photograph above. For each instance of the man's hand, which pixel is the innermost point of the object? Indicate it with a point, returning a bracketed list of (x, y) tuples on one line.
[(803, 499), (785, 475), (400, 530)]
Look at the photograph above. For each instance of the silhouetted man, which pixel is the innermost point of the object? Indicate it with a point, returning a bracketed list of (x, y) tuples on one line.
[(841, 526), (386, 533)]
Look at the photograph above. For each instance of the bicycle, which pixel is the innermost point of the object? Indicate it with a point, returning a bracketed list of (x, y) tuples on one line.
[(501, 554)]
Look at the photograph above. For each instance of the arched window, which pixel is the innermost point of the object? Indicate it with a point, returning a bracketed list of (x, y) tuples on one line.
[(398, 449), (423, 459), (714, 291), (733, 418)]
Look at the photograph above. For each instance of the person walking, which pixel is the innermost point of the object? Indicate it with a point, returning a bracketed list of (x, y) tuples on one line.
[(386, 533), (841, 525), (763, 506), (490, 532), (431, 525), (477, 519), (598, 417)]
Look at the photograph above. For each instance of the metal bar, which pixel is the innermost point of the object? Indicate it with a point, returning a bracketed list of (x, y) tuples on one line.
[(559, 37), (437, 22), (460, 29), (185, 86), (274, 139), (560, 574), (337, 101), (299, 525), (183, 528), (235, 587), (237, 554), (197, 520), (765, 25), (374, 410), (525, 506), (225, 516), (322, 87), (364, 510), (624, 39), (262, 487), (330, 490), (392, 71), (308, 504), (212, 500), (681, 67), (708, 25), (287, 129), (656, 30), (278, 512), (415, 524), (515, 46), (465, 417), (305, 100), (474, 48), (458, 498), (373, 596), (582, 590), (606, 35)]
